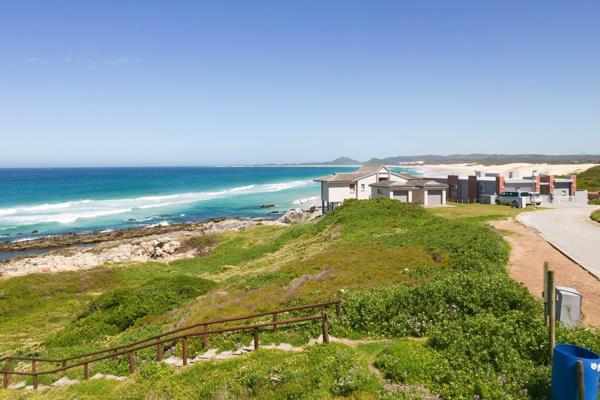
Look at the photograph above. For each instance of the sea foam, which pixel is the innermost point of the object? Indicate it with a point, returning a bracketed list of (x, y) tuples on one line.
[(71, 211)]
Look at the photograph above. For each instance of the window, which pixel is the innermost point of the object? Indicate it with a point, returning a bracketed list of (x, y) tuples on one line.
[(352, 187), (564, 192), (379, 191), (362, 187)]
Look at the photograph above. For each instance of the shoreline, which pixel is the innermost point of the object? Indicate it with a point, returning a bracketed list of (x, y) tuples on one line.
[(57, 241), (77, 252)]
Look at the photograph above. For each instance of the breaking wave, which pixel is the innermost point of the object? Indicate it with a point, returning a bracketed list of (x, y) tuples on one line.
[(71, 211)]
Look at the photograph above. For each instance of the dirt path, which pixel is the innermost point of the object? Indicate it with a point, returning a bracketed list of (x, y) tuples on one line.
[(527, 256)]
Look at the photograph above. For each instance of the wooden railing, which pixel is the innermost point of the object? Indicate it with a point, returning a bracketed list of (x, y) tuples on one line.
[(183, 333)]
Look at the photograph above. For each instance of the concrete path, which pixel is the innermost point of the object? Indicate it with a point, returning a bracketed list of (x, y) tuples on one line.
[(570, 230)]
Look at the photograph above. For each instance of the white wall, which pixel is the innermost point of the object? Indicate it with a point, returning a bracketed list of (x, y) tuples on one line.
[(365, 194), (338, 192)]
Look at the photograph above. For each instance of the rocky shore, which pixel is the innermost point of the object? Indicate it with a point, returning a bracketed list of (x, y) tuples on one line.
[(163, 243)]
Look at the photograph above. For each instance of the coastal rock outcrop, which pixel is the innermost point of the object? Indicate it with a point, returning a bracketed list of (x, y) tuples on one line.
[(160, 246), (296, 215), (160, 243)]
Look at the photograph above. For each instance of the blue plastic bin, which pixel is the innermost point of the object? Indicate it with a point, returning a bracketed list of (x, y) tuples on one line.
[(564, 372)]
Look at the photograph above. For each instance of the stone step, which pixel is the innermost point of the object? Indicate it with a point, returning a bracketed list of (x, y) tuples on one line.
[(19, 385), (109, 377), (210, 354), (64, 381)]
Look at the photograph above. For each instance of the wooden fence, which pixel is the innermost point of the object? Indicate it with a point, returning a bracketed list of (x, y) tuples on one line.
[(181, 334)]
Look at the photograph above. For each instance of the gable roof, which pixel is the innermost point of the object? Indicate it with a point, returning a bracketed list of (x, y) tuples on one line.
[(362, 172)]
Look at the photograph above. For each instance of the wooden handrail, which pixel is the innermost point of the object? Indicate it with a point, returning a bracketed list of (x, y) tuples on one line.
[(166, 337), (183, 328)]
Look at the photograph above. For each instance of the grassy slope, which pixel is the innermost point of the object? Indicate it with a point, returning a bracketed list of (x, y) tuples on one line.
[(595, 216), (589, 179), (401, 271), (479, 212)]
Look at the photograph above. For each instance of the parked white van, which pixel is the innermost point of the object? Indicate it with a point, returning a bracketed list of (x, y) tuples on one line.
[(512, 198)]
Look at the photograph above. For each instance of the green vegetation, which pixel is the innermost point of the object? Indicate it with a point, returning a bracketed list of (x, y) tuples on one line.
[(595, 216), (116, 310), (589, 179), (479, 212), (427, 295)]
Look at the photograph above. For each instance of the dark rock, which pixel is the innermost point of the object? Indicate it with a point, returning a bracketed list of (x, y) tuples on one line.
[(274, 212), (34, 231), (267, 206)]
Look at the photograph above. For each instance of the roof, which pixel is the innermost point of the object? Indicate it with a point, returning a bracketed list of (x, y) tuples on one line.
[(362, 172), (413, 183)]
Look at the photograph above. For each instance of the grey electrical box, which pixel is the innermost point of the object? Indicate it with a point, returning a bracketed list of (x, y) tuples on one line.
[(568, 306)]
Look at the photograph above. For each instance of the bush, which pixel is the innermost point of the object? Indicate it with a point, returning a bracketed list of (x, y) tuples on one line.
[(595, 216), (398, 311), (152, 370), (492, 356), (407, 361), (113, 312)]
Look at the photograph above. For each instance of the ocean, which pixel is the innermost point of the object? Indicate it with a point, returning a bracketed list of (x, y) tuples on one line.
[(53, 201)]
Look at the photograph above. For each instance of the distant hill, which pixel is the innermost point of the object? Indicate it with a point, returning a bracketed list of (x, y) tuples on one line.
[(485, 159)]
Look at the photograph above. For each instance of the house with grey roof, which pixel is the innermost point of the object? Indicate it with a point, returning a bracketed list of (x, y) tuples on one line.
[(372, 181)]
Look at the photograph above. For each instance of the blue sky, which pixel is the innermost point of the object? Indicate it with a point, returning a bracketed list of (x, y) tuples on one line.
[(198, 83)]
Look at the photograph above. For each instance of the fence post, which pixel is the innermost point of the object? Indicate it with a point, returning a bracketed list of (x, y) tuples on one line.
[(86, 371), (325, 327), (184, 350), (551, 314), (275, 322), (34, 370), (63, 364), (255, 334), (545, 291), (131, 362), (9, 369), (159, 351), (580, 380), (205, 336), (338, 309)]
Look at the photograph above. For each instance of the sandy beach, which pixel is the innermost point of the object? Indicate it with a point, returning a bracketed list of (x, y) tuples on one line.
[(521, 169)]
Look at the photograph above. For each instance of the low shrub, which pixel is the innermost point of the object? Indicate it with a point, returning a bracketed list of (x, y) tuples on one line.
[(407, 361), (595, 216), (115, 311), (398, 311)]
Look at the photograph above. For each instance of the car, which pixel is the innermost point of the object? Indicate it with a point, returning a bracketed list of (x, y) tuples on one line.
[(512, 198)]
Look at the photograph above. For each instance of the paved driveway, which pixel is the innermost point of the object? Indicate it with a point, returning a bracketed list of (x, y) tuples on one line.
[(571, 230)]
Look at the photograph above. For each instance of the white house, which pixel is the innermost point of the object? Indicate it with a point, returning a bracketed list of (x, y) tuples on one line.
[(371, 181)]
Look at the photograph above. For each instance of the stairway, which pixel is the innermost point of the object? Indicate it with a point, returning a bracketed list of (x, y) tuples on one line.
[(211, 354)]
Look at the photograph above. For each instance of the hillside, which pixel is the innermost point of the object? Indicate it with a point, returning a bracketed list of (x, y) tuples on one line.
[(484, 159), (427, 304), (589, 179)]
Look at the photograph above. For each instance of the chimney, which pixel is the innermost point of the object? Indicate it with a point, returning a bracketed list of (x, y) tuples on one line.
[(453, 187), (473, 192), (500, 184)]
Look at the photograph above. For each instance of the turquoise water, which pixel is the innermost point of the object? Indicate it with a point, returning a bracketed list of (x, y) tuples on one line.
[(41, 202)]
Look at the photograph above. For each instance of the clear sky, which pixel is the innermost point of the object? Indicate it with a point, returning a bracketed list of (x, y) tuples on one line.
[(220, 82)]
